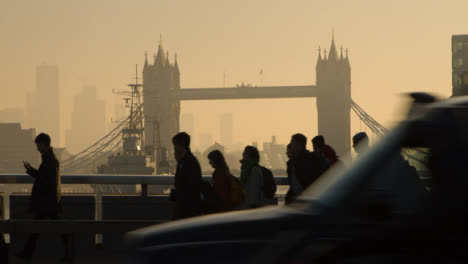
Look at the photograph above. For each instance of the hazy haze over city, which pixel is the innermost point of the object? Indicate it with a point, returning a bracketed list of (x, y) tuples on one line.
[(394, 47)]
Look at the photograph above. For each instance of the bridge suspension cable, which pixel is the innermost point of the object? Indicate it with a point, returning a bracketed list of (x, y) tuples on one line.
[(378, 129), (99, 149), (370, 122)]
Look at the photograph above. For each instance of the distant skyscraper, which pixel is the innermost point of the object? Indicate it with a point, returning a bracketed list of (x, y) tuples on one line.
[(226, 128), (206, 141), (88, 120), (12, 115), (187, 124), (459, 65), (43, 104)]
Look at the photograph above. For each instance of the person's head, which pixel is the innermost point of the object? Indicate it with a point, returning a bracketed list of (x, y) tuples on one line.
[(318, 142), (298, 143), (217, 160), (43, 143), (181, 143), (360, 142), (289, 153), (251, 153)]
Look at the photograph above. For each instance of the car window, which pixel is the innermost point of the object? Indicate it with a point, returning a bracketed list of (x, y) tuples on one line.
[(388, 178), (395, 185)]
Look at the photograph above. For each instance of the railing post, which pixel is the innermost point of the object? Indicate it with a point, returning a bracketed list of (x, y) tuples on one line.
[(144, 190)]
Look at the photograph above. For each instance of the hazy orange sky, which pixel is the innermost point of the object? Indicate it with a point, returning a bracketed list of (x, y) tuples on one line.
[(395, 46)]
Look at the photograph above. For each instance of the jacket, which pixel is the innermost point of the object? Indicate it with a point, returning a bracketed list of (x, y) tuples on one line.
[(46, 191), (329, 154), (308, 167), (222, 185), (187, 187)]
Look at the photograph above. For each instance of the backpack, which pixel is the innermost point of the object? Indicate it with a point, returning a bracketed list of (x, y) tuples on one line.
[(209, 198), (269, 184), (237, 191)]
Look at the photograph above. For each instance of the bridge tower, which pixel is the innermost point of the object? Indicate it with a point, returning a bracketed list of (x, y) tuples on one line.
[(161, 108), (333, 75)]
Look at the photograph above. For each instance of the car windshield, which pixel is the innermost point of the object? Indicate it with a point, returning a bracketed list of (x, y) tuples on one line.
[(386, 171)]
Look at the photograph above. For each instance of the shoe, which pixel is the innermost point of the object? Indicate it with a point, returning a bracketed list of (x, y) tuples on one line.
[(24, 256)]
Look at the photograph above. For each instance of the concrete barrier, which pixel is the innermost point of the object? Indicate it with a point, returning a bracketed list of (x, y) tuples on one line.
[(2, 206), (76, 207), (131, 207)]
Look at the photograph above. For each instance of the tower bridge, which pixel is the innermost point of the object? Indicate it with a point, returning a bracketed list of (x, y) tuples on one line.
[(232, 93), (162, 95)]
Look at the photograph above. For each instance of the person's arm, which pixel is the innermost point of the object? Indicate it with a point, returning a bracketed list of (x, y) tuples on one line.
[(30, 170)]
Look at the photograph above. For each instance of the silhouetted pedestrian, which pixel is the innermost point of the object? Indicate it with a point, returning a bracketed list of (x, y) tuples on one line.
[(221, 179), (360, 143), (45, 200), (188, 179), (318, 143), (303, 168), (252, 178)]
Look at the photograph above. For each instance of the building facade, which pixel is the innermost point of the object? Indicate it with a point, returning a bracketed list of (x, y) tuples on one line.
[(274, 155), (459, 65), (12, 115), (16, 145)]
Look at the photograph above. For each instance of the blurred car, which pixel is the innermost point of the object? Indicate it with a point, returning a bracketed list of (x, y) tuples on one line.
[(378, 210)]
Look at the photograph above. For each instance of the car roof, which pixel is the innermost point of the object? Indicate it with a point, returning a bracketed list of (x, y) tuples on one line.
[(450, 102)]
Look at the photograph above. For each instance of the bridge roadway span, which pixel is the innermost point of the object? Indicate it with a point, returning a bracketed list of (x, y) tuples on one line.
[(264, 92)]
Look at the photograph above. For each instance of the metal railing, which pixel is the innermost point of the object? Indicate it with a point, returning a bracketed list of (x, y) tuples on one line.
[(97, 226), (110, 179), (142, 180), (73, 226)]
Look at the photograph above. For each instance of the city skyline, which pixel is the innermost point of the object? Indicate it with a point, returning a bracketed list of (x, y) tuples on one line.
[(88, 112), (216, 131), (43, 104), (285, 53)]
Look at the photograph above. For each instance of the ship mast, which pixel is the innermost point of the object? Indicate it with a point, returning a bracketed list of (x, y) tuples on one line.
[(133, 138)]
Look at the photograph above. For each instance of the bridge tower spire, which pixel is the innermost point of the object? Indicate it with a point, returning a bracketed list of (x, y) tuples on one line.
[(319, 57), (334, 100), (176, 64), (160, 59), (167, 59), (146, 60), (333, 54)]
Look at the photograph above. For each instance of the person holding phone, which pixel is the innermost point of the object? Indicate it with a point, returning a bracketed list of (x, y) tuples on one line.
[(45, 195)]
